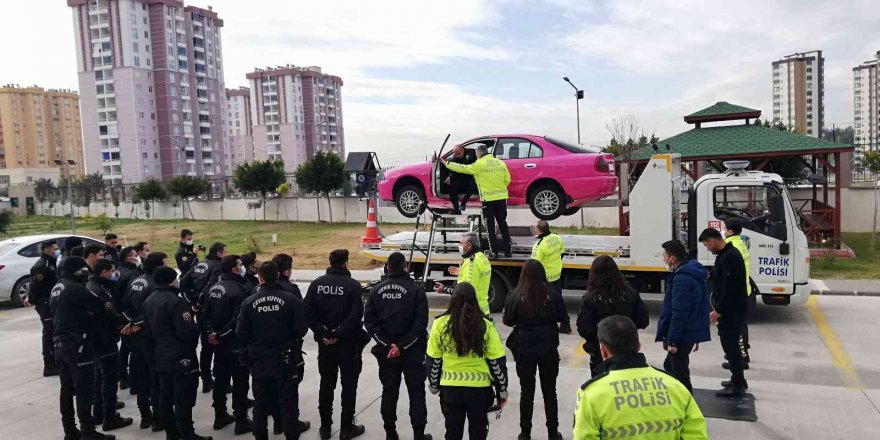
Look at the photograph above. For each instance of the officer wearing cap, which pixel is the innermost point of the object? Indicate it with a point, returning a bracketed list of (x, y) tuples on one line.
[(628, 396), (171, 320), (74, 308), (44, 276), (186, 255)]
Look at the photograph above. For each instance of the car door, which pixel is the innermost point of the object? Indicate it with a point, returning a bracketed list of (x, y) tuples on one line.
[(524, 161)]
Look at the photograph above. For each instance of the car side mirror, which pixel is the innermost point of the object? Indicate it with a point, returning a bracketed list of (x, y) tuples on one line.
[(784, 248)]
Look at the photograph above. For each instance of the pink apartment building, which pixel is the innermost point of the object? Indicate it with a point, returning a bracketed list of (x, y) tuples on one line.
[(239, 133)]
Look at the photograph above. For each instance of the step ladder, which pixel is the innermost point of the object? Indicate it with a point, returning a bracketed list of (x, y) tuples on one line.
[(438, 234)]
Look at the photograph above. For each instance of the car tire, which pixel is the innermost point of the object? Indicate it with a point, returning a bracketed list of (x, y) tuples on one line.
[(19, 291), (498, 291), (407, 201), (547, 201)]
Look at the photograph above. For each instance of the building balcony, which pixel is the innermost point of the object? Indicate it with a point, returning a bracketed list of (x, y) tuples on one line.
[(191, 160), (205, 136), (206, 124), (208, 161)]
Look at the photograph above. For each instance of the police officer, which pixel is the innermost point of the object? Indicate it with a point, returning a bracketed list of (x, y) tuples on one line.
[(396, 316), (171, 320), (219, 317), (459, 183), (334, 310), (466, 365), (43, 278), (186, 255), (475, 269), (270, 332), (143, 249), (104, 336), (733, 235), (111, 241), (145, 380), (548, 250), (74, 309), (492, 179), (285, 270), (128, 270), (249, 261), (628, 395)]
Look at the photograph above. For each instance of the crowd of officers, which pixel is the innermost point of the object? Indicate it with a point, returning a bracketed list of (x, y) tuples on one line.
[(118, 318)]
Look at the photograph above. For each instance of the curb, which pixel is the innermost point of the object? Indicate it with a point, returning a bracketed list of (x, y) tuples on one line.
[(845, 293)]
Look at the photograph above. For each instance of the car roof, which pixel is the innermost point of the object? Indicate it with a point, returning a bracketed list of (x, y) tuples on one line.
[(29, 239)]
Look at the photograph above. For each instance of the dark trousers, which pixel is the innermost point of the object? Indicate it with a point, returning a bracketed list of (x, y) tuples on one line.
[(206, 356), (276, 395), (729, 336), (47, 346), (144, 378), (228, 369), (559, 302), (124, 355), (744, 330), (463, 186), (341, 361), (76, 369), (496, 212), (414, 374), (465, 403), (678, 365), (178, 397), (106, 386), (547, 369)]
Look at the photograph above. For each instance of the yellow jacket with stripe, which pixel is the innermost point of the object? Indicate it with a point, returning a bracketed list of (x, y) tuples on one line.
[(631, 400), (447, 368), (491, 175), (548, 250), (477, 271), (740, 245)]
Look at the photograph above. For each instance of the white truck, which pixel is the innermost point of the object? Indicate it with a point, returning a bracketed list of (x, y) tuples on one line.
[(780, 257)]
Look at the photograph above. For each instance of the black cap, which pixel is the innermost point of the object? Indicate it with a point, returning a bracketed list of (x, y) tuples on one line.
[(70, 265), (185, 232), (164, 275)]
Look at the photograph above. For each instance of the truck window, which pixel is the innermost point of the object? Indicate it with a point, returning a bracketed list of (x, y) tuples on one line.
[(761, 208)]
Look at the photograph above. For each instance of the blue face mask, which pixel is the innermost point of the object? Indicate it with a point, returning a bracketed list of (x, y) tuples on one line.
[(243, 271), (57, 253)]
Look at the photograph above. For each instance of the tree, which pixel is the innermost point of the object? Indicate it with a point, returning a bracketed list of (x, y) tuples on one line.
[(88, 187), (624, 130), (259, 176), (43, 187), (871, 160), (187, 187), (282, 191), (148, 191), (322, 174), (5, 220)]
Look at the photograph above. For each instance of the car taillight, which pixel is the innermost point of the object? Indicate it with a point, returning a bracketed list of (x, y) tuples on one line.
[(603, 164)]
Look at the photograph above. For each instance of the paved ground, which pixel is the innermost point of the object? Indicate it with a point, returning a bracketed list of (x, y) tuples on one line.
[(815, 374), (846, 287)]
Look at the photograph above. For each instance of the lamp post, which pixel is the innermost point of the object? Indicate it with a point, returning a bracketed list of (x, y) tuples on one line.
[(69, 193), (578, 95)]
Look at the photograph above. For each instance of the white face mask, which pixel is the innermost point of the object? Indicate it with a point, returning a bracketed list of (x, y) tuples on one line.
[(137, 261), (461, 250), (189, 242), (243, 271)]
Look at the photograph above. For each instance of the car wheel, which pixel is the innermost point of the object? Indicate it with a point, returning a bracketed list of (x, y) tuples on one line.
[(20, 291), (498, 291), (410, 201), (547, 202)]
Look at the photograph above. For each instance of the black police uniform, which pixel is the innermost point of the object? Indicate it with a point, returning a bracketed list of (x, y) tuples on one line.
[(397, 313), (194, 284), (288, 286), (186, 257), (104, 336), (127, 273), (144, 379), (250, 283), (44, 275), (74, 309), (171, 320), (112, 254), (729, 298), (222, 305), (270, 332), (461, 184), (334, 310)]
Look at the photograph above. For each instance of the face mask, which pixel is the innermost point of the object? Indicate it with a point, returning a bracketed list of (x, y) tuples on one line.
[(670, 266), (189, 242), (57, 253), (114, 276), (461, 250), (243, 271), (137, 261)]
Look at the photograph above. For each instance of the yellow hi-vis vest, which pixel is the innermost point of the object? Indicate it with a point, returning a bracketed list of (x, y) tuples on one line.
[(740, 245), (477, 271), (491, 175), (548, 250), (463, 371)]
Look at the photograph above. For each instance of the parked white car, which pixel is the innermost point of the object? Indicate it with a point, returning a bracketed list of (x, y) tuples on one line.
[(17, 256)]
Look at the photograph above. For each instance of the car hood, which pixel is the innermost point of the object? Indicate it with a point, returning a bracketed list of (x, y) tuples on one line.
[(412, 169)]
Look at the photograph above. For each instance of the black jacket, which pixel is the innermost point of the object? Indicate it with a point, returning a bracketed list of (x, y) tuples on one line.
[(333, 306), (251, 282), (133, 306), (270, 330), (185, 257), (196, 282), (288, 286), (460, 177), (222, 304), (174, 330), (104, 331), (596, 307), (75, 309), (396, 312), (112, 254), (44, 276), (127, 273), (536, 331), (729, 296)]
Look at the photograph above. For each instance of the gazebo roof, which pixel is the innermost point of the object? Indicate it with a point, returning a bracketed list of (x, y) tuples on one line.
[(722, 111)]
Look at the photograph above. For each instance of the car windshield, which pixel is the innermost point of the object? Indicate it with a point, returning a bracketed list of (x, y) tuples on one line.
[(571, 148), (6, 246)]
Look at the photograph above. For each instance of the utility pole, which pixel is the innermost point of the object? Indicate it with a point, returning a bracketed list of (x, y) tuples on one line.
[(578, 95), (69, 193)]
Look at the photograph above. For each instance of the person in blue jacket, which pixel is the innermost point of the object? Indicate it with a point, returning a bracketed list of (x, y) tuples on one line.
[(684, 320)]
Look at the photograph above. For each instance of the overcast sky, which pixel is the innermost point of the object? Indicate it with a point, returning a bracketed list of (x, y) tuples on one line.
[(416, 70)]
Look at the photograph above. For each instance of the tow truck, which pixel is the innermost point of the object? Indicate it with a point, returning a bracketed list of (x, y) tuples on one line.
[(662, 206)]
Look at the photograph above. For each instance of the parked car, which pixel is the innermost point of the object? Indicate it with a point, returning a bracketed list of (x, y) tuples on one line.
[(552, 177), (17, 256)]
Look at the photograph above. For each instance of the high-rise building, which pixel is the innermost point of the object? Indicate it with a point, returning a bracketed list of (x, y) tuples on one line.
[(296, 112), (239, 133), (866, 106), (799, 92), (38, 127), (152, 88)]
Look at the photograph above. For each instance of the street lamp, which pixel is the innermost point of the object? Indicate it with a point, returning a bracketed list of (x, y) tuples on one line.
[(69, 193), (578, 95)]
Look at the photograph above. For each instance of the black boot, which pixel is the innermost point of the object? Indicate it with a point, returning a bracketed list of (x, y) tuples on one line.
[(303, 426), (146, 418), (124, 384), (565, 327), (419, 433), (158, 424), (199, 437), (120, 405), (728, 384), (222, 420), (207, 385), (350, 432), (391, 433), (243, 427), (116, 422), (731, 391), (91, 434), (554, 436), (524, 435), (72, 434), (325, 432), (277, 429)]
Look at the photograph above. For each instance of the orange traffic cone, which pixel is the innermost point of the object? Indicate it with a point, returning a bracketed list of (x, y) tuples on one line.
[(371, 236)]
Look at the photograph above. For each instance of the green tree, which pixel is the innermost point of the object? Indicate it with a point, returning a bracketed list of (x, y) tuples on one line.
[(871, 161), (322, 174), (259, 176), (87, 189), (103, 223), (149, 191), (43, 187), (5, 220), (187, 187)]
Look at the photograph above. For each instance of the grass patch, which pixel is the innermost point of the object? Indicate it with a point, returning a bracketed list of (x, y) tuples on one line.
[(863, 267)]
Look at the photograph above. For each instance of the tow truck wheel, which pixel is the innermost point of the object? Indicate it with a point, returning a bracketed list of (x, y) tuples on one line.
[(498, 291)]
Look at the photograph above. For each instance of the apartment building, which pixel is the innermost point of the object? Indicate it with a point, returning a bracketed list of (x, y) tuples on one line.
[(866, 114), (799, 92), (38, 127), (239, 132)]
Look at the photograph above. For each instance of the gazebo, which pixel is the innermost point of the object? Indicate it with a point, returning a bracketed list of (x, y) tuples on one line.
[(705, 148)]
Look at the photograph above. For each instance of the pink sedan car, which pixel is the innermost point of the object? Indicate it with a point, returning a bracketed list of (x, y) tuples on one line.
[(552, 177)]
